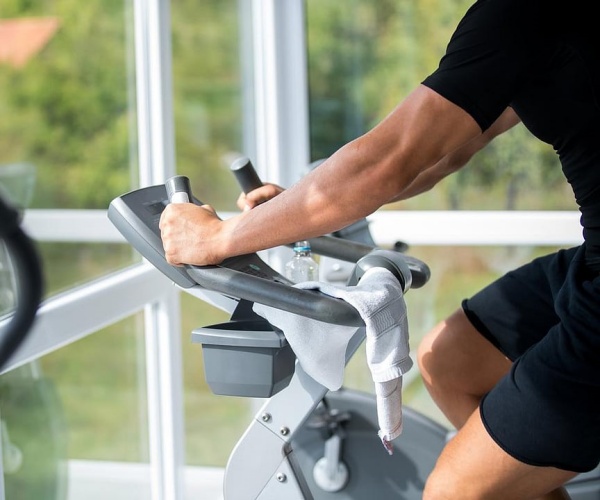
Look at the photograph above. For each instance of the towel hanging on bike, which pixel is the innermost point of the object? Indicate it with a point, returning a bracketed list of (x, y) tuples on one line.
[(321, 347)]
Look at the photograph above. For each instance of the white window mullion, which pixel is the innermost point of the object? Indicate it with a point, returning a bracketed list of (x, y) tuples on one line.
[(156, 147), (162, 325), (280, 89), (417, 227), (477, 227), (165, 396)]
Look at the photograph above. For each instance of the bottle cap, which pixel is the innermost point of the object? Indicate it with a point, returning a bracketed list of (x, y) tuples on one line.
[(302, 246)]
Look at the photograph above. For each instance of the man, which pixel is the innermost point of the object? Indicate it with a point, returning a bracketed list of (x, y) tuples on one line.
[(516, 368)]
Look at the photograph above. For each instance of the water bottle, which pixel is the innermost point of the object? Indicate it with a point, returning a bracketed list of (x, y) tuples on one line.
[(302, 266)]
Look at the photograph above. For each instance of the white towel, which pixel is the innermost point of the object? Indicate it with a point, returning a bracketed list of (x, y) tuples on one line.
[(321, 347)]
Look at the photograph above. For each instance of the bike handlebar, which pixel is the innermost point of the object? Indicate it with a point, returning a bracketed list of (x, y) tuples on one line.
[(136, 215), (245, 174)]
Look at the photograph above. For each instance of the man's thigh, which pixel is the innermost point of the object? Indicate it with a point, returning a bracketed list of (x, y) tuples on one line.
[(456, 357)]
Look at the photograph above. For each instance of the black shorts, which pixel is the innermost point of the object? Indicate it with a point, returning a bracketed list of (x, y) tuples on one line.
[(545, 316)]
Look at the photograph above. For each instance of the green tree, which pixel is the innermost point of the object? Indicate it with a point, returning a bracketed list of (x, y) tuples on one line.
[(207, 95), (364, 57), (69, 107)]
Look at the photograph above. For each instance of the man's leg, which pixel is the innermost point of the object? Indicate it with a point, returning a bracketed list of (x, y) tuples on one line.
[(459, 366), (473, 466)]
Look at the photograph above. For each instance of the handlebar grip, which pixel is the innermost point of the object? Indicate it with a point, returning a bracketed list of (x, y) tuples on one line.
[(179, 189), (245, 174)]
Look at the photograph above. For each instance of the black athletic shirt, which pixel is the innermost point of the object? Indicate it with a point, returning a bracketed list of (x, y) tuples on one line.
[(542, 58)]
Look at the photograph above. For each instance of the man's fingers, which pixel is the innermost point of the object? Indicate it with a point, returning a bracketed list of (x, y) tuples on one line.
[(248, 201)]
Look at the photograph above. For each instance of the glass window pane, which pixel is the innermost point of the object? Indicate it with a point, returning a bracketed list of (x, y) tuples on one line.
[(68, 134), (86, 401), (365, 57), (207, 96), (70, 264), (66, 76)]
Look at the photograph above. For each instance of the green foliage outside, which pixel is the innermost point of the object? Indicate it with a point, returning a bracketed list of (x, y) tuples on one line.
[(365, 57), (68, 111)]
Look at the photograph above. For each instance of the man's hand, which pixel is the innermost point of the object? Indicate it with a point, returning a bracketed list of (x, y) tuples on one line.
[(258, 196), (189, 234)]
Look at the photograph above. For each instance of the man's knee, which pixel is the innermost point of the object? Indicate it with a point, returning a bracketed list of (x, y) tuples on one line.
[(442, 485)]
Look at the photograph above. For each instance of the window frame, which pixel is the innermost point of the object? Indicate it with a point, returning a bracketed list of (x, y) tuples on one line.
[(274, 42)]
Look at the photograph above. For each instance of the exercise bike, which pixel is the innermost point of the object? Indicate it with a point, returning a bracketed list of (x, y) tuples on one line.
[(305, 442)]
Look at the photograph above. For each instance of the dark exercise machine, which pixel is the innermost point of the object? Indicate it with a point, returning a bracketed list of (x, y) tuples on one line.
[(29, 280), (34, 465), (305, 442)]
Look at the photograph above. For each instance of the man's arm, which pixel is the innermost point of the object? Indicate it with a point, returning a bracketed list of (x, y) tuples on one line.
[(363, 175), (424, 181), (459, 158)]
